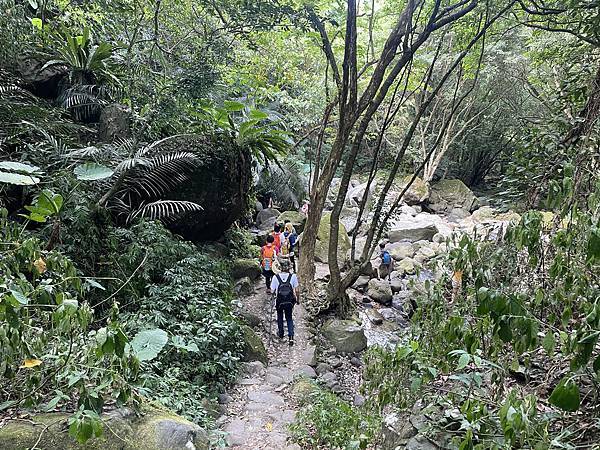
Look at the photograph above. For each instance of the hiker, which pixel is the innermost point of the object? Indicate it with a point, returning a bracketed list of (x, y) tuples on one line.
[(267, 257), (387, 263), (285, 287), (277, 235), (305, 207), (290, 238)]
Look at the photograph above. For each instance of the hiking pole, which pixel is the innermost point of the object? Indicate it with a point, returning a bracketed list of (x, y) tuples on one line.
[(272, 298)]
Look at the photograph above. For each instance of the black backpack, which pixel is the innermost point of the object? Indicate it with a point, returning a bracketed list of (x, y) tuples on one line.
[(285, 292)]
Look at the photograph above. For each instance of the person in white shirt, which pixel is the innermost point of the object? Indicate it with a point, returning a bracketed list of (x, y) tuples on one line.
[(285, 287)]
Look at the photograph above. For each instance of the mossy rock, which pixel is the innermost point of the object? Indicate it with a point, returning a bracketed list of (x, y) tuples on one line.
[(303, 388), (154, 428), (247, 267), (296, 218), (322, 244), (454, 193), (254, 348), (417, 193)]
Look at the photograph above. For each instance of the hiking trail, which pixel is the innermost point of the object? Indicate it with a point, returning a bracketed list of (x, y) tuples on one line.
[(261, 405)]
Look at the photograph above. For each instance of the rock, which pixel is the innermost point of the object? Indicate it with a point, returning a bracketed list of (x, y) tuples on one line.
[(401, 250), (224, 399), (396, 285), (253, 368), (396, 431), (114, 123), (413, 230), (388, 313), (258, 206), (296, 218), (455, 194), (309, 356), (361, 282), (366, 300), (458, 214), (427, 252), (303, 388), (409, 210), (336, 362), (323, 368), (244, 287), (251, 319), (245, 268), (47, 83), (356, 362), (417, 193), (355, 195), (322, 244), (439, 237), (307, 371), (329, 379), (421, 442), (266, 218), (380, 291), (220, 184), (254, 349), (374, 316), (359, 400), (483, 214), (236, 432), (407, 266), (345, 335), (153, 429)]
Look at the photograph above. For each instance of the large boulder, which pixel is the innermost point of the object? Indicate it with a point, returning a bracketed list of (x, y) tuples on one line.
[(253, 348), (450, 194), (46, 83), (115, 123), (355, 195), (380, 291), (296, 218), (124, 429), (245, 268), (220, 184), (417, 193), (266, 218), (401, 250), (412, 230), (322, 244), (345, 335)]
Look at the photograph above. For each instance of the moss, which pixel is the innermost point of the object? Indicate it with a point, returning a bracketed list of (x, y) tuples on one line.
[(303, 388), (254, 349), (123, 430)]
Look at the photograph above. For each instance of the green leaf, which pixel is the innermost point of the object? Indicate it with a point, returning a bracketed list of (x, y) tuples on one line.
[(18, 179), (18, 167), (596, 365), (148, 344), (593, 247), (566, 395), (22, 299), (463, 361), (92, 172), (549, 343), (233, 106), (37, 23)]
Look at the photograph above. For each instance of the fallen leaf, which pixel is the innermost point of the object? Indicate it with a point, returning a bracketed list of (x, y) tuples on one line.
[(40, 265), (29, 363), (269, 426), (457, 277)]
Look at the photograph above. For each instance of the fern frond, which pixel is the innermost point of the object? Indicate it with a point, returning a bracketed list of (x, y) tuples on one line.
[(164, 210)]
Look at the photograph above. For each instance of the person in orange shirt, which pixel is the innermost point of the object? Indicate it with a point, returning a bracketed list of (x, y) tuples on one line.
[(268, 253)]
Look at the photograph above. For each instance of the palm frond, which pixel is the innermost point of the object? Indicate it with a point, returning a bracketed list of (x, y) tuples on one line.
[(164, 210)]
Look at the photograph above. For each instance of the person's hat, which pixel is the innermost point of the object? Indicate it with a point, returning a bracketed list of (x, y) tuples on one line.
[(284, 264)]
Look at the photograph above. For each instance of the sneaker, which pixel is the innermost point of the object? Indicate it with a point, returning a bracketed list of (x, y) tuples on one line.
[(291, 341)]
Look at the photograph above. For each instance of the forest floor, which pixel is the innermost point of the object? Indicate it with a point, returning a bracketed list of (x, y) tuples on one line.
[(262, 405)]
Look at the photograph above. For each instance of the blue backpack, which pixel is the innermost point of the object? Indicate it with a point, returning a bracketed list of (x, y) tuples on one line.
[(386, 258)]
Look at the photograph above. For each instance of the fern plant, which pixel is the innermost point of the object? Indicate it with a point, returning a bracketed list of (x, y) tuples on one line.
[(136, 178)]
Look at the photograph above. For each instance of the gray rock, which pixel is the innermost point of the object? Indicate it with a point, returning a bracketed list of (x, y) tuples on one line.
[(335, 362), (236, 432), (115, 123), (396, 431), (266, 397), (411, 211), (401, 250), (307, 371), (396, 285), (322, 244), (417, 193), (421, 442), (253, 368), (329, 379), (361, 282), (309, 356), (225, 399), (296, 218), (388, 313), (455, 194), (412, 231), (356, 362), (244, 287), (266, 218), (323, 368), (253, 348), (407, 266), (458, 214), (380, 291), (245, 268), (251, 319), (345, 335), (374, 316), (359, 400)]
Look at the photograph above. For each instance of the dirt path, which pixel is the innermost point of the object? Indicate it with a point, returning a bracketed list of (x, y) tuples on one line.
[(262, 406)]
